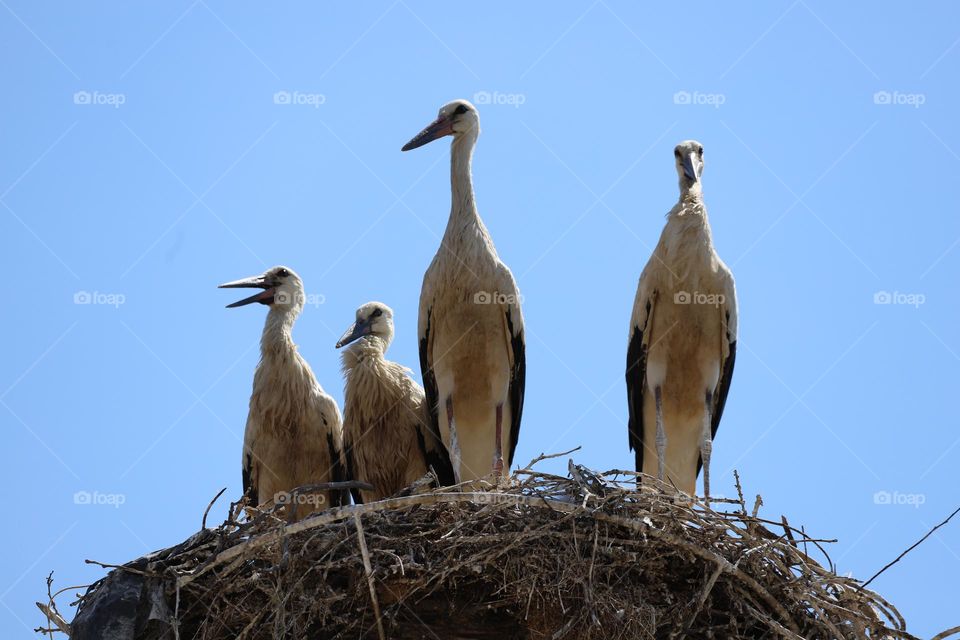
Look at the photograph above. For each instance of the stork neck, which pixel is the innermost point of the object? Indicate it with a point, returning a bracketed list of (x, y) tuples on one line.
[(463, 206), (278, 330), (690, 191), (365, 347)]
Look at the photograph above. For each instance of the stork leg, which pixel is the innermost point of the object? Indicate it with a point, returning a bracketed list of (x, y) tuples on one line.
[(706, 444), (661, 434), (498, 453), (454, 443)]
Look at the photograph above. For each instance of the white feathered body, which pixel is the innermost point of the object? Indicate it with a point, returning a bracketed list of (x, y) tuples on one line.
[(294, 434), (691, 292), (383, 420), (467, 295)]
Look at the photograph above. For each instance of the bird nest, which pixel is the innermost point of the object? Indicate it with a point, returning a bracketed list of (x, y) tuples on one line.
[(586, 556)]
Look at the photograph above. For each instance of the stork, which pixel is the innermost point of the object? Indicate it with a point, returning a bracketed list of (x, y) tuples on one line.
[(385, 435), (470, 325), (683, 340), (294, 432)]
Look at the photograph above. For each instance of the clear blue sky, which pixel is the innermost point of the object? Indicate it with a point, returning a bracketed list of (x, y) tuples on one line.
[(146, 160)]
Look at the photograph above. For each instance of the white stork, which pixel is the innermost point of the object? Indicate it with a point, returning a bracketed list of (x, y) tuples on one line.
[(385, 435), (294, 431), (683, 340), (470, 327)]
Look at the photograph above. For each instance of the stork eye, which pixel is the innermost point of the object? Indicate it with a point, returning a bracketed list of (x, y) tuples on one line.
[(676, 152), (461, 109), (283, 273), (376, 313), (700, 151)]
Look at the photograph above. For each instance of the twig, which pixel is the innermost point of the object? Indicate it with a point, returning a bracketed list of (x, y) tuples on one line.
[(545, 456), (707, 588), (203, 524), (369, 571), (946, 634), (121, 567), (55, 618), (911, 548)]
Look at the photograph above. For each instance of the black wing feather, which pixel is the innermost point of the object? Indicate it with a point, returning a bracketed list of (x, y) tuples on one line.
[(352, 473), (338, 473), (248, 488), (439, 460), (436, 457), (518, 380), (636, 388)]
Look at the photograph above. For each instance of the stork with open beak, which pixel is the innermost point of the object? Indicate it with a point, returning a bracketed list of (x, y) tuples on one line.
[(470, 327), (385, 435), (294, 432), (683, 340)]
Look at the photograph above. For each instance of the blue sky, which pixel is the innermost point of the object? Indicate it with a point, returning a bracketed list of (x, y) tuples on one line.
[(148, 157)]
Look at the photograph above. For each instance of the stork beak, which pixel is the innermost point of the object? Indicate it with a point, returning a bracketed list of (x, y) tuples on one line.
[(689, 167), (440, 127), (359, 329), (256, 282)]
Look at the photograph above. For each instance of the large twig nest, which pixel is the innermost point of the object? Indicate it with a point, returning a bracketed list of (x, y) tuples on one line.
[(546, 557)]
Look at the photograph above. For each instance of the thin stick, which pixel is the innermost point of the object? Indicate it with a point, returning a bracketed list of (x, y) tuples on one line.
[(544, 456), (55, 618), (106, 565), (946, 634), (912, 547), (707, 588), (203, 524), (369, 571)]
